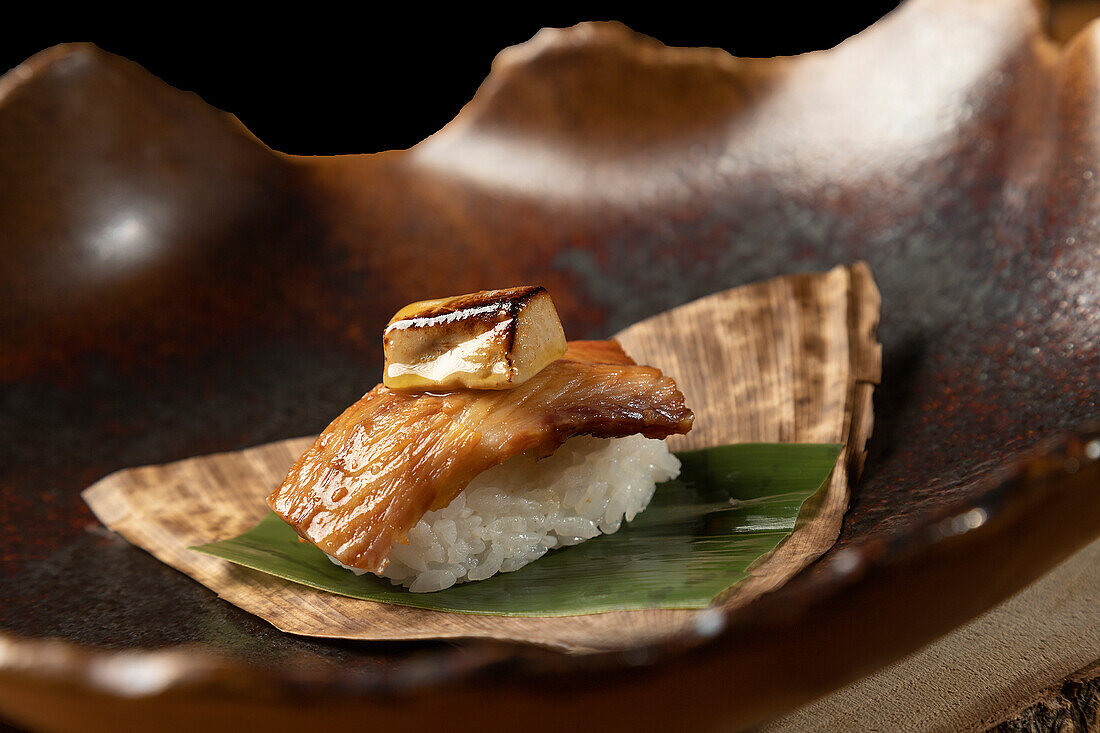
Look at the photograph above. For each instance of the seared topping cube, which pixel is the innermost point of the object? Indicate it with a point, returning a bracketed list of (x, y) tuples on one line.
[(493, 339)]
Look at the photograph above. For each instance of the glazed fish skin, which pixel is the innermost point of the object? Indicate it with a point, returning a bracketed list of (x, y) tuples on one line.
[(392, 456)]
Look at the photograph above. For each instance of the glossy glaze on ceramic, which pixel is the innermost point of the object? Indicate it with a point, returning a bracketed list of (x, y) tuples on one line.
[(172, 287)]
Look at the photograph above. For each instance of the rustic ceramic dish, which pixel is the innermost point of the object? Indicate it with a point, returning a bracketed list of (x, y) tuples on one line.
[(173, 288)]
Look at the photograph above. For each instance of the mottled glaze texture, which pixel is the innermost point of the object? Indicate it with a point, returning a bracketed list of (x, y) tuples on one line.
[(172, 287)]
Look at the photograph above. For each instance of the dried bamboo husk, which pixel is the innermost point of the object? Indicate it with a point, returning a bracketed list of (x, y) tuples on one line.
[(793, 359)]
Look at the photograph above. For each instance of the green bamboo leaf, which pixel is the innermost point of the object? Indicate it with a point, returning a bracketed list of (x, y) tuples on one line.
[(731, 506)]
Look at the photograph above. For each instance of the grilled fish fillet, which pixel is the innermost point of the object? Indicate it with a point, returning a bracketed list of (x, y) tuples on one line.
[(392, 456)]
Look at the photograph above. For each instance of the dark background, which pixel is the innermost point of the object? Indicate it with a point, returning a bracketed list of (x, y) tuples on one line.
[(317, 81)]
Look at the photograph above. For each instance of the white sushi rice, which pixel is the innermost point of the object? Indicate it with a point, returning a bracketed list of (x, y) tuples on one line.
[(514, 513)]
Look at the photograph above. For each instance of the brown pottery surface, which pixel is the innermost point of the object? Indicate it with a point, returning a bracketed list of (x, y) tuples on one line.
[(172, 288)]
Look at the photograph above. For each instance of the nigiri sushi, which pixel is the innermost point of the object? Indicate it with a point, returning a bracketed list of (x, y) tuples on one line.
[(429, 489)]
